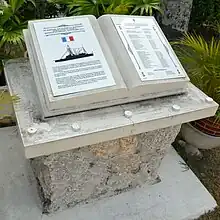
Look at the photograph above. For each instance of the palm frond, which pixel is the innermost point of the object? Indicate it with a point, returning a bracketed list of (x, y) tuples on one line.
[(82, 7), (6, 98), (11, 26), (15, 4), (117, 7), (201, 59), (13, 36), (146, 7)]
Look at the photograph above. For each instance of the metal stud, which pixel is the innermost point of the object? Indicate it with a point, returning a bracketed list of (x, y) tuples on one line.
[(32, 130), (176, 107), (75, 127), (208, 99), (128, 114)]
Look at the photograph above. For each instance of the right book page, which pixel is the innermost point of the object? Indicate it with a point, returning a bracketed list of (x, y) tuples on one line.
[(143, 54)]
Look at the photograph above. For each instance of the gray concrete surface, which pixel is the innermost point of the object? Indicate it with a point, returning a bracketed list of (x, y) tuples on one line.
[(102, 170), (18, 189), (179, 196)]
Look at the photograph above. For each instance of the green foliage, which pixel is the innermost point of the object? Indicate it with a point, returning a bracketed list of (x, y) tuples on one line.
[(11, 25), (100, 7), (14, 15), (6, 99), (205, 12), (82, 7), (45, 9), (117, 7), (146, 7), (202, 62)]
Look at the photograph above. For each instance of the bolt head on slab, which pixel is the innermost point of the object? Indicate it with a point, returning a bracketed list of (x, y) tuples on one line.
[(128, 114), (32, 130), (176, 107), (208, 99), (75, 127)]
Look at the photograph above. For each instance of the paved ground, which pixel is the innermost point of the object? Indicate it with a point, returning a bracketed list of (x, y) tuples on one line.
[(179, 196)]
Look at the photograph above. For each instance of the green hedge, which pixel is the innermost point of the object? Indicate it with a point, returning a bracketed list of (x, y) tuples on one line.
[(205, 12)]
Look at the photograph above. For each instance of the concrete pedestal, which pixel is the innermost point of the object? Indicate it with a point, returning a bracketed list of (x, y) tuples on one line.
[(179, 195), (71, 165), (101, 170)]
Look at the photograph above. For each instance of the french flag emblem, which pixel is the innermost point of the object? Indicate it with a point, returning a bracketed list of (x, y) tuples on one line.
[(67, 39)]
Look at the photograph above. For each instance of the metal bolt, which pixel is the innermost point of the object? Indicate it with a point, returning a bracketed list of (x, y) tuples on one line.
[(75, 127), (32, 130), (208, 99), (176, 107), (128, 114)]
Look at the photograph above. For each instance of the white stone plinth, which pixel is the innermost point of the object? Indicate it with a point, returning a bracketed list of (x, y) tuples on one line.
[(57, 134)]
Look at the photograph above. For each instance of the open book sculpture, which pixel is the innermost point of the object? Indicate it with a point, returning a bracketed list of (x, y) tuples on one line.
[(82, 63)]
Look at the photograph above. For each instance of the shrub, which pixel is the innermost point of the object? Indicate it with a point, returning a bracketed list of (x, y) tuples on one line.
[(201, 59), (100, 7), (205, 13)]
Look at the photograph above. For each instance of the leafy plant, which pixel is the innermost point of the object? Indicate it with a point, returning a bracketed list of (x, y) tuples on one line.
[(82, 7), (202, 62), (5, 99), (100, 7), (146, 7), (14, 15), (205, 12), (118, 7), (11, 26), (44, 9)]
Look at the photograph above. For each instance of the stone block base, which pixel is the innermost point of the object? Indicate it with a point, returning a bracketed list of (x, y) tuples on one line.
[(101, 170)]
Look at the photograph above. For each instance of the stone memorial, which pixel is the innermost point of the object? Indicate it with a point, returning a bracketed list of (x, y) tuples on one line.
[(82, 63), (124, 73)]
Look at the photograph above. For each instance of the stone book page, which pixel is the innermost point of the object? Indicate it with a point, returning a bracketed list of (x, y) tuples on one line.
[(72, 55), (149, 54)]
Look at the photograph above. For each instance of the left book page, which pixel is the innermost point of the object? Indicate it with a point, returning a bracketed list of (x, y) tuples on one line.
[(72, 56)]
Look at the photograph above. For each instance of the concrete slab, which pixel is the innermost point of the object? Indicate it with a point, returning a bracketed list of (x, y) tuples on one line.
[(71, 131), (179, 196), (18, 192)]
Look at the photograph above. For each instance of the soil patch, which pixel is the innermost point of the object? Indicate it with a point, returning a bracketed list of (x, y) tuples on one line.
[(208, 171)]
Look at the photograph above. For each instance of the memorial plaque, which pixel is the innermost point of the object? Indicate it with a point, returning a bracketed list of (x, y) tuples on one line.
[(72, 55), (81, 63), (145, 46)]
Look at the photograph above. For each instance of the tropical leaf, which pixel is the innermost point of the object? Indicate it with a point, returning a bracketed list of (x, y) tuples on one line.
[(15, 4), (118, 7), (12, 36), (6, 14), (82, 7), (201, 59), (12, 23), (33, 2), (6, 98), (146, 7), (97, 7)]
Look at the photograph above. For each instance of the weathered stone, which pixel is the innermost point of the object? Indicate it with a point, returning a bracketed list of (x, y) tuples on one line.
[(177, 14), (101, 170)]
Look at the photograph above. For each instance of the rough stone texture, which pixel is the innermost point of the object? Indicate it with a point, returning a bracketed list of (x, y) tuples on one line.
[(177, 14), (101, 170)]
